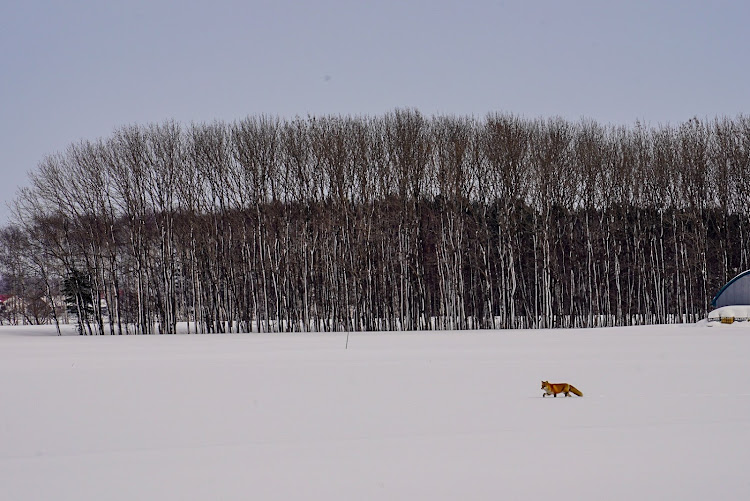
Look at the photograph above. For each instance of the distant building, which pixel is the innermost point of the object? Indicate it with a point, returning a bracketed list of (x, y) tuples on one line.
[(735, 292), (732, 303)]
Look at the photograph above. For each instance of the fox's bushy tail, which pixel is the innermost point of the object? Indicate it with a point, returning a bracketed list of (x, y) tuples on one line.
[(575, 390)]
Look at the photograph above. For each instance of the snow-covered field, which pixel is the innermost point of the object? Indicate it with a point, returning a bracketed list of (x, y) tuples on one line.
[(399, 416)]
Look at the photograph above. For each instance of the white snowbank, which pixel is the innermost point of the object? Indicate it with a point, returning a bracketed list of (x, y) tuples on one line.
[(739, 312), (403, 416)]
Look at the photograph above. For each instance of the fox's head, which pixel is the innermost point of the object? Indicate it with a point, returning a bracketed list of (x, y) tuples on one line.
[(545, 384)]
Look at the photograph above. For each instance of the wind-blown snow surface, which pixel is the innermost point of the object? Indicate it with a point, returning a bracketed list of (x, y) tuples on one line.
[(399, 416)]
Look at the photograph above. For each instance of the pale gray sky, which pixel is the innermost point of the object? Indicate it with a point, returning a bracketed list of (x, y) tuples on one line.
[(78, 69)]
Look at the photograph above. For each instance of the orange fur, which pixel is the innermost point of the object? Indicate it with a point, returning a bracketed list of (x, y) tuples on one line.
[(555, 388)]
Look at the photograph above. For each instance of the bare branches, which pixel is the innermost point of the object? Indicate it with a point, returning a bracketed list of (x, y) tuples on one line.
[(393, 222)]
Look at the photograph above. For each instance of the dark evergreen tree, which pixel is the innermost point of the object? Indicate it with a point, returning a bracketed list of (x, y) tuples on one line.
[(79, 298)]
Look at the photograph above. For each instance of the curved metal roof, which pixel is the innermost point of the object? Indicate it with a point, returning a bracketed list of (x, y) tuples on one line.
[(726, 286)]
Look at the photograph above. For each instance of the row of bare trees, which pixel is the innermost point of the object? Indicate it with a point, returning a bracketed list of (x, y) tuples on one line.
[(384, 223)]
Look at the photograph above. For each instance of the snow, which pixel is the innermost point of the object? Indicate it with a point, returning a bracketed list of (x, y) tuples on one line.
[(396, 416), (738, 312)]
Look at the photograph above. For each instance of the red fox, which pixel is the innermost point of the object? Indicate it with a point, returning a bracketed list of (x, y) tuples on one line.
[(555, 388)]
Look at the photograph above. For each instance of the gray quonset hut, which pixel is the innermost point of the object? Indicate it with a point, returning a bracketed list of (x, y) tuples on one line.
[(736, 291)]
